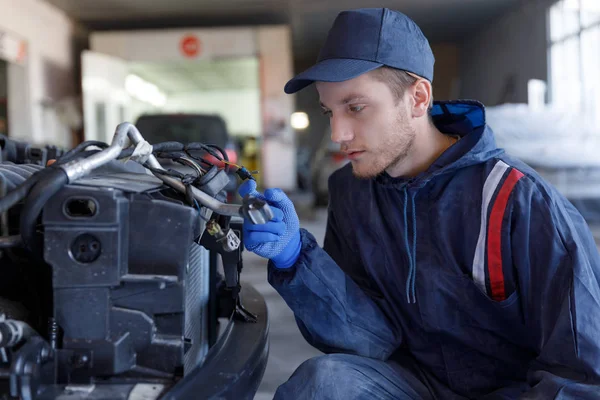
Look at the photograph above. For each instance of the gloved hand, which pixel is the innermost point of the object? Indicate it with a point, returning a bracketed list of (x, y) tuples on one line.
[(279, 238)]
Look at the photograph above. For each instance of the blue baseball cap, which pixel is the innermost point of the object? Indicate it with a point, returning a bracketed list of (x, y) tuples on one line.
[(365, 39)]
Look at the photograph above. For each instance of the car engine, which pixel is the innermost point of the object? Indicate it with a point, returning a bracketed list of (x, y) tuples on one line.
[(109, 287)]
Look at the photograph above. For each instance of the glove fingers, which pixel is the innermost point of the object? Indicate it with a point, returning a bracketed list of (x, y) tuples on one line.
[(257, 238), (275, 195), (277, 214), (273, 240), (248, 188), (278, 228)]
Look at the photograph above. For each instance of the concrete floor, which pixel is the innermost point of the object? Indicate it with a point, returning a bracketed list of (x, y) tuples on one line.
[(288, 348)]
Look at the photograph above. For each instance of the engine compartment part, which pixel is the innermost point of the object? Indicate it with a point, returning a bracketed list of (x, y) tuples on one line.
[(13, 331), (109, 281), (118, 265)]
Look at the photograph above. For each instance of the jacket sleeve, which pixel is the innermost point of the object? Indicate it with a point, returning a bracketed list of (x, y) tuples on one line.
[(557, 266), (333, 313)]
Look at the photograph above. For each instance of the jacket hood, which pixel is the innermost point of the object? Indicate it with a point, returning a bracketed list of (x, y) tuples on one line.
[(465, 118)]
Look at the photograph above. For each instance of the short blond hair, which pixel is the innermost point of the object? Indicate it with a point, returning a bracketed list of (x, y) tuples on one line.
[(397, 80)]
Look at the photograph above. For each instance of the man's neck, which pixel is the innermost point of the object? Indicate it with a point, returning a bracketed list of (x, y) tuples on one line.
[(428, 146)]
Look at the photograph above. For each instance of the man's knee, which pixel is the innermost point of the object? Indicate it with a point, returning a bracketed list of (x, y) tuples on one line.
[(346, 376), (334, 376), (326, 368)]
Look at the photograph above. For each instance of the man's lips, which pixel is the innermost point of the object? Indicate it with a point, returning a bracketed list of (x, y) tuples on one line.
[(353, 154)]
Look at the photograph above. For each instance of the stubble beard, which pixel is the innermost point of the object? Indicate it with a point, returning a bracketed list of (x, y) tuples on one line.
[(389, 154)]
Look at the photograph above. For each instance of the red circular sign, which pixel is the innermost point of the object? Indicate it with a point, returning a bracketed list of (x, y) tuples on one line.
[(190, 46)]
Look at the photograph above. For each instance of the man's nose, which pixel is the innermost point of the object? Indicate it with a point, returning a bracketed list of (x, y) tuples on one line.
[(341, 130)]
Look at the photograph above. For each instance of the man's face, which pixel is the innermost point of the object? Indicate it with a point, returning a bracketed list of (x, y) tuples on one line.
[(371, 125)]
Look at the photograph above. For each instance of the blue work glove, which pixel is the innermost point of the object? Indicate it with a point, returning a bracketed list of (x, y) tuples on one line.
[(279, 238)]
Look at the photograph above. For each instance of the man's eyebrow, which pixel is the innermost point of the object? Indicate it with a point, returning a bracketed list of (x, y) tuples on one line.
[(353, 97), (348, 99)]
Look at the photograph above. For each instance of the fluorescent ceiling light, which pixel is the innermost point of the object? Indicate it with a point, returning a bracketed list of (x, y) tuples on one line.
[(144, 91)]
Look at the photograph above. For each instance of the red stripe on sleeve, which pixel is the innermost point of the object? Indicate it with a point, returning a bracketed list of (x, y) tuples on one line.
[(494, 236)]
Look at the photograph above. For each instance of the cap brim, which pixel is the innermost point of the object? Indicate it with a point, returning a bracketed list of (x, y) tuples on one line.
[(331, 70)]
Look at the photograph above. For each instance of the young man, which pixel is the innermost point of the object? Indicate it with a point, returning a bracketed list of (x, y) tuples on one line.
[(450, 270)]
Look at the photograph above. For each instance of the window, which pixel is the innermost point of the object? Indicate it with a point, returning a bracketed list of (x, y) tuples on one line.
[(574, 55)]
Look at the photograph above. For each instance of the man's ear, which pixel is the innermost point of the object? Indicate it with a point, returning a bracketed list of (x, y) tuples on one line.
[(421, 97)]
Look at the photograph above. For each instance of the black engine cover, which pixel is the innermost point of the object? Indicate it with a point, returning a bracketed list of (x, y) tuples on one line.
[(130, 286)]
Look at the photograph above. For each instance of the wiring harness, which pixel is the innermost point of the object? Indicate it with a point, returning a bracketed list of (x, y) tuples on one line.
[(206, 161)]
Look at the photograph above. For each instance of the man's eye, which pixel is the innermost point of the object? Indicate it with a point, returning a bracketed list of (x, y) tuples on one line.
[(326, 112), (356, 109)]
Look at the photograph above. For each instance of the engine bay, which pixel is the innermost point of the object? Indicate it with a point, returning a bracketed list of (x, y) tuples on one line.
[(109, 285)]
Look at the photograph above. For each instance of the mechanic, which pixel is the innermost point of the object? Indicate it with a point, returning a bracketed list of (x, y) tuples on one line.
[(449, 269)]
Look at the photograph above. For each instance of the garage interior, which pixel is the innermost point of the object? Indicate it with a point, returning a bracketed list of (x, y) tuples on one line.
[(226, 87)]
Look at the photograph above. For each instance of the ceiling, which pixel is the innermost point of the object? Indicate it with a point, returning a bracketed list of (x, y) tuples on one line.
[(441, 20), (187, 77)]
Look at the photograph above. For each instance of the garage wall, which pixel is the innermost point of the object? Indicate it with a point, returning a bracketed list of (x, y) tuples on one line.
[(497, 62), (446, 72), (278, 161), (106, 104), (47, 74)]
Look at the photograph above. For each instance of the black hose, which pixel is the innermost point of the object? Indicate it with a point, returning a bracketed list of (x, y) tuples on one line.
[(168, 146), (73, 153), (224, 153), (37, 198), (16, 174), (171, 155), (10, 241), (83, 145), (13, 331), (165, 147), (206, 147), (225, 156), (19, 193), (167, 172), (224, 221)]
